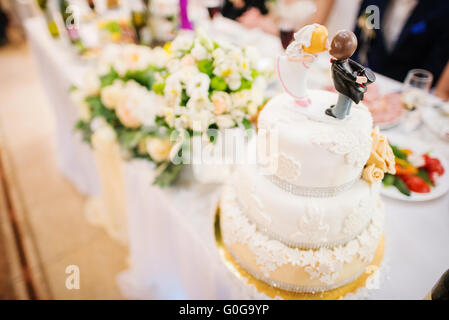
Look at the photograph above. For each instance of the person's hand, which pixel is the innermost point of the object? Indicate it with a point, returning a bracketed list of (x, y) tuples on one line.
[(361, 80), (251, 18)]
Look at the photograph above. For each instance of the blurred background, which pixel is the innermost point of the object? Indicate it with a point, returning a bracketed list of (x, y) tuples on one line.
[(48, 185)]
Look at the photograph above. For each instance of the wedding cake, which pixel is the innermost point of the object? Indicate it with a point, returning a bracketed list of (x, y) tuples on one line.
[(315, 222)]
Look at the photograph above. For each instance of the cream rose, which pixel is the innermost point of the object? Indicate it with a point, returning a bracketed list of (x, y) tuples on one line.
[(381, 153), (222, 102), (372, 174), (159, 149), (112, 95)]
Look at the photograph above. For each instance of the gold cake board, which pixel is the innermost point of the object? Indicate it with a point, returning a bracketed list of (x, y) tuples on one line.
[(273, 292)]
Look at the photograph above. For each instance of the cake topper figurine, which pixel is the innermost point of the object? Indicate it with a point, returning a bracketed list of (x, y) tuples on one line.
[(350, 78), (293, 66)]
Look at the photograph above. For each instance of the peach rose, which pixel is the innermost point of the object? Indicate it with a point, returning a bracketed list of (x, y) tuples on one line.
[(372, 174), (381, 156), (222, 102)]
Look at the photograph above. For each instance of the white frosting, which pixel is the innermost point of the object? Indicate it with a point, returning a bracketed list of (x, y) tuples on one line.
[(324, 266), (303, 221), (329, 152)]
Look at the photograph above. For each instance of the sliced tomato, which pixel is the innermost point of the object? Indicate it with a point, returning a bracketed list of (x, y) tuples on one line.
[(433, 165), (416, 184)]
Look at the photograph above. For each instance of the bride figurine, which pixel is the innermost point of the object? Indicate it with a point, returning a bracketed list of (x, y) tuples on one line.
[(294, 65)]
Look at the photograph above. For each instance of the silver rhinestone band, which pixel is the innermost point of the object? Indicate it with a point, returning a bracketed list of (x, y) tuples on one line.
[(297, 244), (315, 192)]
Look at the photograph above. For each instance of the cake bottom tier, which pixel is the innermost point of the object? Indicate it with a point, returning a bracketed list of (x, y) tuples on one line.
[(295, 269)]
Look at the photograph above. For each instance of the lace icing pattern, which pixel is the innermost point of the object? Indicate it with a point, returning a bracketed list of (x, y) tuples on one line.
[(288, 168), (324, 264), (355, 146)]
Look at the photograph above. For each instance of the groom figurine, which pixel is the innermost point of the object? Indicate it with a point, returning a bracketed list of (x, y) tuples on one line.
[(350, 78)]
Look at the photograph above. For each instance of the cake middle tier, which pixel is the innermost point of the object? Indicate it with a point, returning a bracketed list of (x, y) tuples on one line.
[(304, 222), (308, 148)]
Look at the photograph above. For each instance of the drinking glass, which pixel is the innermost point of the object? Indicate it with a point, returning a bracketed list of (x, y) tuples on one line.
[(416, 88)]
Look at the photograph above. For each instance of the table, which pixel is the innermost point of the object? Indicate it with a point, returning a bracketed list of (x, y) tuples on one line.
[(171, 238), (59, 69)]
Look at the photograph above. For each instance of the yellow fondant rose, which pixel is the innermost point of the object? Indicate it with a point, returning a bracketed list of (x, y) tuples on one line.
[(372, 174)]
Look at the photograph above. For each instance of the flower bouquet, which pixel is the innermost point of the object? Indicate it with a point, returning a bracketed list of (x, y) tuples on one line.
[(154, 101)]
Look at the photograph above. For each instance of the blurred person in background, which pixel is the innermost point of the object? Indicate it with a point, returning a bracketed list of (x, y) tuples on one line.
[(3, 26), (412, 34), (267, 15), (442, 87)]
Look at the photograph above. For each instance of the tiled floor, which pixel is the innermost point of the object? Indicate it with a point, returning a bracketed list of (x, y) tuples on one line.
[(51, 211)]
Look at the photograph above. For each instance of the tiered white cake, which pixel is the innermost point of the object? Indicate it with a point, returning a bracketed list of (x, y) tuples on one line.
[(313, 224)]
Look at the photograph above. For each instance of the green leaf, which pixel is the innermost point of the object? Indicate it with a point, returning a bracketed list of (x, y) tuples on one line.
[(401, 186), (73, 88), (86, 131), (246, 84), (168, 175), (398, 153), (113, 27), (212, 133), (425, 176), (254, 73), (388, 180), (159, 87), (109, 78), (99, 110), (248, 127), (218, 84), (206, 66), (184, 98), (143, 77)]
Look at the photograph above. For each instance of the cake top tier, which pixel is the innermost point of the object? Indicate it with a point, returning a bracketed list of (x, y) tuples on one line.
[(311, 149)]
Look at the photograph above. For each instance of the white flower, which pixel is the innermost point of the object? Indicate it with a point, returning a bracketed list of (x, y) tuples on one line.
[(97, 123), (257, 96), (173, 90), (147, 108), (199, 101), (241, 98), (113, 94), (108, 55), (253, 108), (200, 120), (159, 149), (159, 57), (187, 61), (222, 102), (225, 121), (204, 40), (131, 107), (106, 133), (198, 85), (173, 65), (133, 57), (218, 53), (182, 43), (199, 52), (186, 73), (234, 81), (237, 115), (91, 83), (78, 98)]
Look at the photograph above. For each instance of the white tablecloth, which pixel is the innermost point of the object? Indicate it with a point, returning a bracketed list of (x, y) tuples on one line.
[(59, 69), (171, 237)]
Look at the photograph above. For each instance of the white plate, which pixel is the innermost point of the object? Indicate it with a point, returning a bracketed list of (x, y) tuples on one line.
[(442, 184)]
